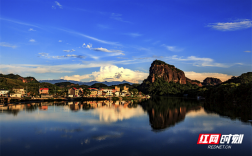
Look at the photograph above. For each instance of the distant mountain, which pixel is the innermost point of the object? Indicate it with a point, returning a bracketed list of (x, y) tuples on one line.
[(211, 81), (85, 83)]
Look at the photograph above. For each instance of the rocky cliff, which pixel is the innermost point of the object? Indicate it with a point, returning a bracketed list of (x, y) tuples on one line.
[(211, 81), (160, 69)]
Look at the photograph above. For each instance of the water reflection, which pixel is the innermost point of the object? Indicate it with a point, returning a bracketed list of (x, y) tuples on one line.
[(166, 112), (107, 127), (163, 112)]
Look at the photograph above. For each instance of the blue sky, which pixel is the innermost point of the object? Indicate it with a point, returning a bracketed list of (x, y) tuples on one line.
[(118, 40)]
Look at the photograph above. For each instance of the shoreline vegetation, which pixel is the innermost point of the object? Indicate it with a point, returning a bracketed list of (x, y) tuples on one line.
[(29, 99)]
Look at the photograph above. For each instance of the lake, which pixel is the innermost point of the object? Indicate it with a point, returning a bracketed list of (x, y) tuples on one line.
[(160, 126)]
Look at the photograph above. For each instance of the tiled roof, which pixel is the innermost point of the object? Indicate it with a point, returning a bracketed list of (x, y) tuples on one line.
[(43, 89)]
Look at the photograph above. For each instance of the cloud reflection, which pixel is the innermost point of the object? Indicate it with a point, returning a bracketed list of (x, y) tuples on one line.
[(113, 114)]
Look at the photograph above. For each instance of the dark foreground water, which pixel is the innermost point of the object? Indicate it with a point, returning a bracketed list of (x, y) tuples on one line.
[(155, 127)]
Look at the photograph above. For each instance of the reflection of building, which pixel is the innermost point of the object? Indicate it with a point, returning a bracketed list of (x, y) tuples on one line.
[(74, 107), (43, 108), (16, 107)]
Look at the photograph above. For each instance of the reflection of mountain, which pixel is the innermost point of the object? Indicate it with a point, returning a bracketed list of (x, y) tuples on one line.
[(242, 113), (169, 117), (164, 112)]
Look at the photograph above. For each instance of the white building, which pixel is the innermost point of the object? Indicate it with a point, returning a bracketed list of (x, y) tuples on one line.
[(109, 92), (4, 92)]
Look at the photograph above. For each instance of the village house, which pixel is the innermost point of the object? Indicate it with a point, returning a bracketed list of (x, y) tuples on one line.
[(109, 92), (18, 92), (4, 92), (93, 92), (125, 89), (43, 90), (99, 93), (74, 92), (117, 94), (117, 89), (15, 95)]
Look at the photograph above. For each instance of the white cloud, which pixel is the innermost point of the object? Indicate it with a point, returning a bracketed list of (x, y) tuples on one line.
[(83, 45), (17, 22), (89, 46), (201, 76), (31, 29), (112, 73), (247, 51), (231, 26), (32, 40), (46, 55), (25, 69), (92, 38), (58, 4), (199, 113), (76, 77), (4, 44), (69, 50), (173, 48), (60, 40), (118, 52), (200, 61)]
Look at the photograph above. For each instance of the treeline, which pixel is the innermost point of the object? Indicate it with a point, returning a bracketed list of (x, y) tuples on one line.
[(161, 87), (11, 81)]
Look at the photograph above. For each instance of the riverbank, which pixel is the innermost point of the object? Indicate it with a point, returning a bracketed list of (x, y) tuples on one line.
[(28, 99)]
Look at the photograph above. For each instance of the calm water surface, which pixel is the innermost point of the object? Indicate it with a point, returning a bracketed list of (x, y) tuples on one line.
[(154, 127)]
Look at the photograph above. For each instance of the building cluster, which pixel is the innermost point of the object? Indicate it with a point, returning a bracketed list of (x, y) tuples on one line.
[(21, 92), (73, 92), (99, 92), (94, 92), (16, 92)]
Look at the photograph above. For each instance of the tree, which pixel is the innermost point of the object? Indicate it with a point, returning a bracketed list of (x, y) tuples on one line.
[(86, 92), (134, 91)]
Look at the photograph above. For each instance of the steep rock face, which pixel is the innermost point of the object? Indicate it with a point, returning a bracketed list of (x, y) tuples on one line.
[(211, 81), (160, 69), (27, 79), (193, 82)]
